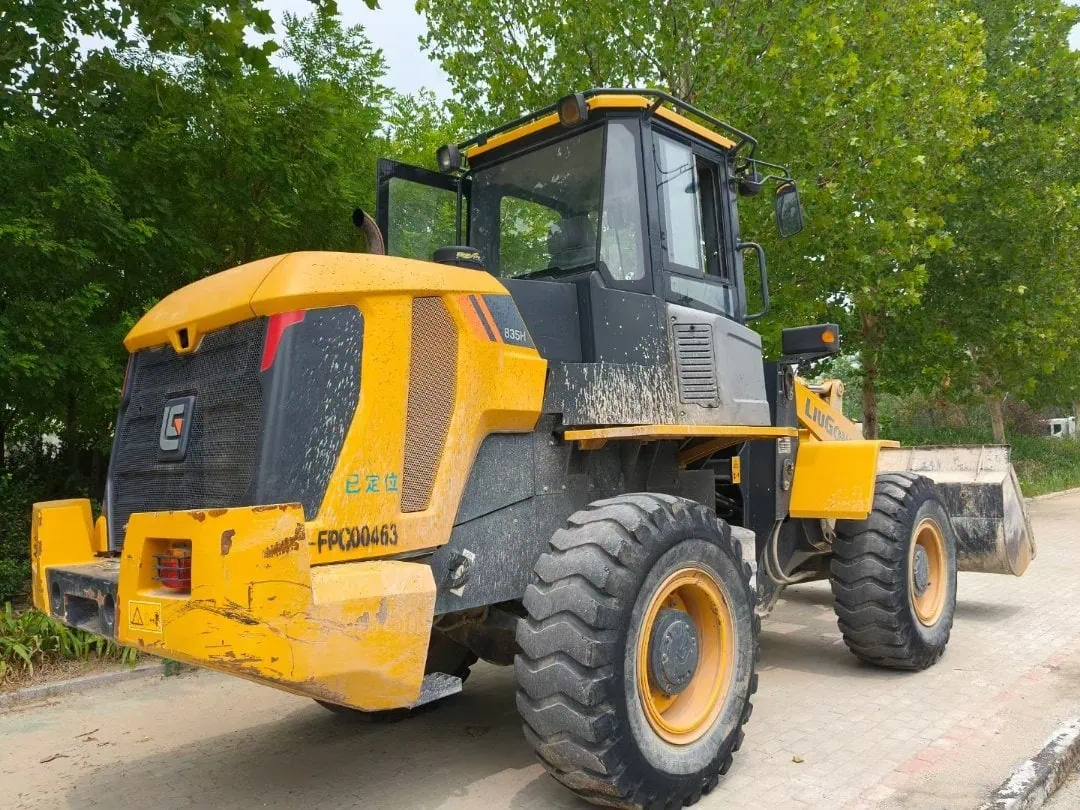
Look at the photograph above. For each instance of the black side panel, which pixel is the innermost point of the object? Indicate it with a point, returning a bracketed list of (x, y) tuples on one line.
[(626, 375), (522, 488), (550, 311), (502, 474), (312, 391), (769, 466), (218, 468), (589, 394), (626, 327)]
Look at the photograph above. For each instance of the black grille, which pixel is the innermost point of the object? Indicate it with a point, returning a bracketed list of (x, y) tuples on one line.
[(220, 464)]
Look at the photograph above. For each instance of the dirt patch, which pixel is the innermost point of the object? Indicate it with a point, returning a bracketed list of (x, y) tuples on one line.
[(58, 670)]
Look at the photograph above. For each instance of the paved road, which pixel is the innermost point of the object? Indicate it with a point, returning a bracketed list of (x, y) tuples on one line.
[(827, 732)]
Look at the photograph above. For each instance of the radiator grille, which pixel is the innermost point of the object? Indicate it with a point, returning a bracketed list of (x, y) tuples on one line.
[(696, 363), (432, 385), (218, 469)]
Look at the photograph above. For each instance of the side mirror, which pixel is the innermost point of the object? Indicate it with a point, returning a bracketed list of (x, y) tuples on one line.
[(788, 210)]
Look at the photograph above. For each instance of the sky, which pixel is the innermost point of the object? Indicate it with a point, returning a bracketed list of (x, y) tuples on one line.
[(396, 28)]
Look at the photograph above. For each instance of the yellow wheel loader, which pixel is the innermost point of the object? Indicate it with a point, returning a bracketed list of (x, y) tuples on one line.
[(532, 426)]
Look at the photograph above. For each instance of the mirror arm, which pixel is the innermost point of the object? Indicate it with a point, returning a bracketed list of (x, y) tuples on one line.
[(764, 278)]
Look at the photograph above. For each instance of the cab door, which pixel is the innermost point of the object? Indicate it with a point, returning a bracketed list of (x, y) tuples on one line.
[(718, 359)]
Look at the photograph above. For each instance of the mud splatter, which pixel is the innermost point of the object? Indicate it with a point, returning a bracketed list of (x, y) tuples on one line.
[(286, 544), (226, 540)]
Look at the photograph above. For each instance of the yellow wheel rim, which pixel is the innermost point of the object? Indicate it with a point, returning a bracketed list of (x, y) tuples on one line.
[(683, 718), (928, 566)]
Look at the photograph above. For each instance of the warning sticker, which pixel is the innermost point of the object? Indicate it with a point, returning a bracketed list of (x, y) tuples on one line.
[(144, 617)]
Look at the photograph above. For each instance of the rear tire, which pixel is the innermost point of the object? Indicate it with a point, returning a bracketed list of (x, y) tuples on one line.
[(590, 708), (894, 576), (444, 655)]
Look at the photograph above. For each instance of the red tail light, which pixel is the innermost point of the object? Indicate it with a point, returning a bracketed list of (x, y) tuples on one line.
[(274, 332), (174, 567)]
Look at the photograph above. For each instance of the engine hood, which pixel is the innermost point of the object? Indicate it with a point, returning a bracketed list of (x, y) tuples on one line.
[(306, 280)]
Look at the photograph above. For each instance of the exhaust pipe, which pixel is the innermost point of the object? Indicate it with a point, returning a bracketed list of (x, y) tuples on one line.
[(372, 235), (980, 491)]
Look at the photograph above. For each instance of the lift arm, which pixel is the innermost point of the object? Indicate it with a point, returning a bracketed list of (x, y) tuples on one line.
[(823, 418)]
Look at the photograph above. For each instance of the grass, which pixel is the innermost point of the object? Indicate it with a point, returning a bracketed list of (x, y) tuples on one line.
[(1042, 464), (30, 639)]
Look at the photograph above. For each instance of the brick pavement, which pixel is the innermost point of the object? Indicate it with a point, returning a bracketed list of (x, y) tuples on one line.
[(827, 731)]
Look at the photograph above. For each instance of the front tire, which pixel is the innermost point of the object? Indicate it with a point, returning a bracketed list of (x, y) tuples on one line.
[(637, 656), (894, 576)]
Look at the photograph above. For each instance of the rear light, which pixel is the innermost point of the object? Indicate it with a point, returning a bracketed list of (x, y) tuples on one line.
[(274, 332), (173, 567)]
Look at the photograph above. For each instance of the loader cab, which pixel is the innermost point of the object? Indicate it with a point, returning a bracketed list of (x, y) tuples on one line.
[(629, 190), (611, 217)]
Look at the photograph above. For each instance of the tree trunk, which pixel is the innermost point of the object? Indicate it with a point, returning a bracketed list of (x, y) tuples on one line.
[(3, 444), (997, 418), (870, 427), (1076, 415), (71, 449)]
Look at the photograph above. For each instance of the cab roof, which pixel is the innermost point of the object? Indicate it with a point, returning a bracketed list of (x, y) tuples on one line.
[(656, 102)]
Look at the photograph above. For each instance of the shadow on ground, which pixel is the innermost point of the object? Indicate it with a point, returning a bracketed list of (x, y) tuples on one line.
[(312, 758), (984, 611)]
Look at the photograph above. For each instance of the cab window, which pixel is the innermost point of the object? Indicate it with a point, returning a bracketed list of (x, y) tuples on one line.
[(571, 205), (688, 190)]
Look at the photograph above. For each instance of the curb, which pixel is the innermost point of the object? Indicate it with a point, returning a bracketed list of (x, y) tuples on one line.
[(1035, 780), (1049, 495), (45, 690)]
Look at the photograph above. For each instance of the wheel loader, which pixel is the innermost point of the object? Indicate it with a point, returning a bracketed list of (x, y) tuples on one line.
[(531, 425)]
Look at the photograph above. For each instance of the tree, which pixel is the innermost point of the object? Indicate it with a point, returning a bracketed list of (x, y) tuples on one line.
[(168, 170), (129, 172), (1005, 303), (871, 106)]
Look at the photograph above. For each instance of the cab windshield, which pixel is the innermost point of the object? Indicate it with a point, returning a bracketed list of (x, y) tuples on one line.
[(567, 206)]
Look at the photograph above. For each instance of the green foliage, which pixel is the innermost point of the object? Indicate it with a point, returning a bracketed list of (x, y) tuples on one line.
[(1001, 308), (872, 107), (130, 172), (30, 638)]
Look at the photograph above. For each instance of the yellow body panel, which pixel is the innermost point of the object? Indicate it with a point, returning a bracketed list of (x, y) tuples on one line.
[(499, 387), (61, 533), (820, 418), (835, 468), (355, 634), (835, 479), (314, 279), (600, 102), (210, 303)]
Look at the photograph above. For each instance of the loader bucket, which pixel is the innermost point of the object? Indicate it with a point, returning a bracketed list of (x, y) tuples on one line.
[(981, 493)]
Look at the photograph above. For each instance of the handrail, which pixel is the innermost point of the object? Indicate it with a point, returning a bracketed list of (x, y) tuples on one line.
[(660, 97)]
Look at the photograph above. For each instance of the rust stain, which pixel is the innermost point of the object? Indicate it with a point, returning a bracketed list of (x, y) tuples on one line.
[(286, 544), (199, 516), (281, 507), (384, 611), (217, 512), (231, 611), (226, 540)]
